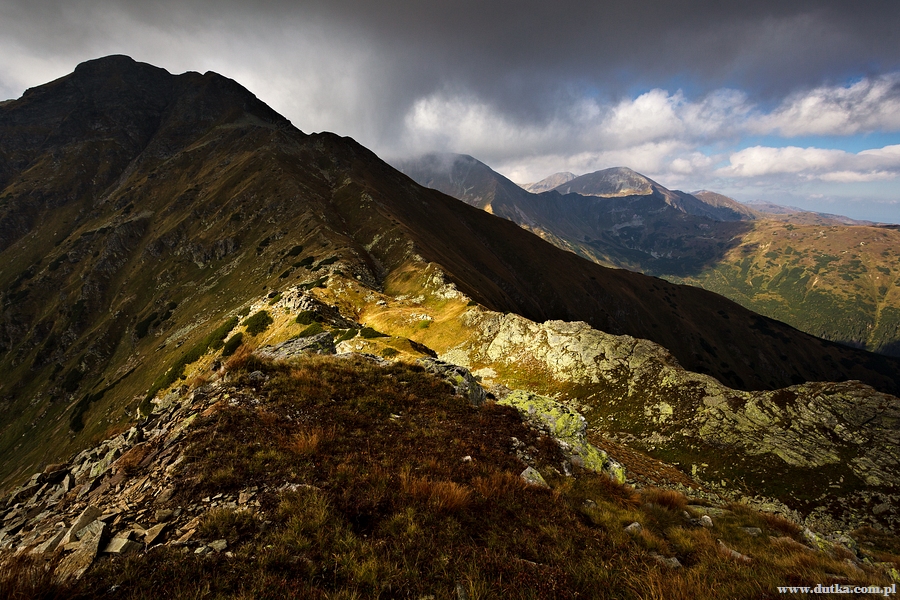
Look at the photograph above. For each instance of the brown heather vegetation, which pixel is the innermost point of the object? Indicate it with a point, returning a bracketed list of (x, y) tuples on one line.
[(130, 461), (385, 505)]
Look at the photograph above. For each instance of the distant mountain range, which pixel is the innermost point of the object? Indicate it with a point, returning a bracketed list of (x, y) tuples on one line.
[(620, 218)]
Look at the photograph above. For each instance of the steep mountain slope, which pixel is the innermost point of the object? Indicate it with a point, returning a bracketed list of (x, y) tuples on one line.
[(349, 476), (655, 233), (140, 213)]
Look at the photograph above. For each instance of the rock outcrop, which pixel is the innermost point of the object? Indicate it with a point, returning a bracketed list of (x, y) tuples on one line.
[(828, 452), (568, 428), (320, 343), (460, 379)]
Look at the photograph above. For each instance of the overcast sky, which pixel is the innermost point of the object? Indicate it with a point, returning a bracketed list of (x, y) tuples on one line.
[(791, 101)]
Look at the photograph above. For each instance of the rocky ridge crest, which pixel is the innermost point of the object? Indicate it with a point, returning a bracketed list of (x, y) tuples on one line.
[(117, 497)]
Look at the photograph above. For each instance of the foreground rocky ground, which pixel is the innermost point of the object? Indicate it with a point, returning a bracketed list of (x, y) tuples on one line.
[(294, 467)]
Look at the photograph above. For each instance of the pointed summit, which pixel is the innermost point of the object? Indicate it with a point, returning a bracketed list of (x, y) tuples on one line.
[(548, 183)]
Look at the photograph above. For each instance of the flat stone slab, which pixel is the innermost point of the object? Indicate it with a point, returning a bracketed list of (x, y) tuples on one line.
[(320, 343), (122, 546)]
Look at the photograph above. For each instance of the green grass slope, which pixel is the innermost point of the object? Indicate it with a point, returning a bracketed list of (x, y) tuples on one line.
[(837, 282)]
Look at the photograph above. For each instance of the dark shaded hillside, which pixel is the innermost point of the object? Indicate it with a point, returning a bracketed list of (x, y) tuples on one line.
[(139, 211), (501, 265)]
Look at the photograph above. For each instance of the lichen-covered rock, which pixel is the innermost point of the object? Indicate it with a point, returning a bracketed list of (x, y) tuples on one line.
[(462, 381), (568, 428), (296, 300), (320, 343), (531, 476)]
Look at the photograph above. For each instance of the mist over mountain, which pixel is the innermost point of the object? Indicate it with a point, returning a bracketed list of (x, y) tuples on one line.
[(802, 216)]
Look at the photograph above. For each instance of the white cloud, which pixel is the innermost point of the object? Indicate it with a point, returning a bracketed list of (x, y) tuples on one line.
[(856, 177), (866, 106), (815, 163), (656, 132), (649, 117), (659, 119)]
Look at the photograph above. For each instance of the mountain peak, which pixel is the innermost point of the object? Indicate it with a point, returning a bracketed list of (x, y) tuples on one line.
[(459, 175), (615, 181), (113, 88), (114, 62), (548, 183)]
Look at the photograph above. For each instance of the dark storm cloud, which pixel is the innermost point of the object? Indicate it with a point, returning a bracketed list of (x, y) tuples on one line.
[(501, 49), (530, 87), (506, 46)]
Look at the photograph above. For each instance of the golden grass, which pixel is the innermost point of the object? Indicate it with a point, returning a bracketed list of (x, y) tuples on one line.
[(777, 523), (670, 499), (441, 496), (239, 359), (307, 441), (498, 484)]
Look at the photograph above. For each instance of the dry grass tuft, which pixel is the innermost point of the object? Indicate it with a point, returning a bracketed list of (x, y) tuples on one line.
[(498, 484), (239, 359), (666, 498), (780, 524), (622, 494), (307, 442), (231, 525), (441, 496), (197, 380), (449, 497), (24, 576)]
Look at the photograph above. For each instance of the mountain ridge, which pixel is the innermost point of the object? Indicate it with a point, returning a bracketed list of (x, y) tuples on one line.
[(102, 290), (548, 183), (852, 302)]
